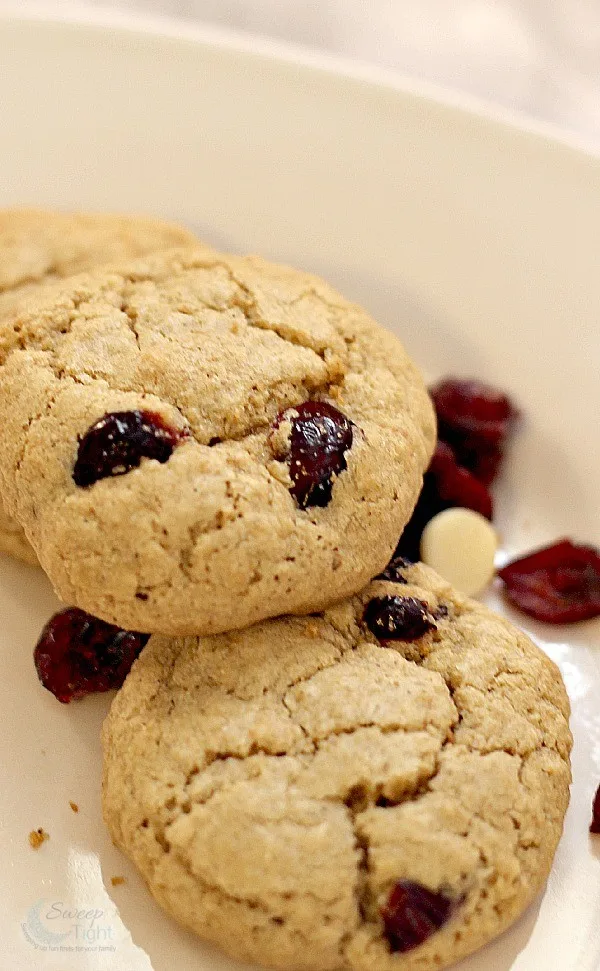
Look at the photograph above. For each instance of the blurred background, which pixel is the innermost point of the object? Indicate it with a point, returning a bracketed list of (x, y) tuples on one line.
[(539, 57)]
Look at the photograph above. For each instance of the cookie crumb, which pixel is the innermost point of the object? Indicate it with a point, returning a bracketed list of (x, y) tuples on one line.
[(37, 837), (280, 471), (117, 881), (280, 436), (74, 806)]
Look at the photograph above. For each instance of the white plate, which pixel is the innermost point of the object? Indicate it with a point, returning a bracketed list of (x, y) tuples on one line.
[(476, 241)]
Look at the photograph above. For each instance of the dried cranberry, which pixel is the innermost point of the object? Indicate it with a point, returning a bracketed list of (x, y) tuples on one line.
[(559, 584), (321, 435), (412, 914), (119, 441), (472, 408), (398, 618), (445, 484), (595, 823), (474, 419), (456, 486), (428, 505), (77, 654), (393, 570)]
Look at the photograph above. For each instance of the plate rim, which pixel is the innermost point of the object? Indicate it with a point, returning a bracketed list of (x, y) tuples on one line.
[(233, 40), (486, 116)]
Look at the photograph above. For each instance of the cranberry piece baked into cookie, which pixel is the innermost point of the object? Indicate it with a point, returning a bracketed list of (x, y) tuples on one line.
[(37, 247), (296, 429), (309, 796)]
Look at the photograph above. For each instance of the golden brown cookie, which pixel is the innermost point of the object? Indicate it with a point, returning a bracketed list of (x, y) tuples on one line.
[(37, 246), (199, 441), (309, 794)]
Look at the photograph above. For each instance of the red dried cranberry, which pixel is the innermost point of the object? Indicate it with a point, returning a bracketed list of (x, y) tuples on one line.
[(398, 618), (393, 570), (595, 823), (456, 486), (119, 441), (321, 435), (445, 484), (472, 408), (428, 505), (474, 419), (559, 584), (77, 654), (412, 914)]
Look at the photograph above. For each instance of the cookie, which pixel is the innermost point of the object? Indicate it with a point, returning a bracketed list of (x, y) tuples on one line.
[(381, 786), (200, 441), (37, 246), (13, 541)]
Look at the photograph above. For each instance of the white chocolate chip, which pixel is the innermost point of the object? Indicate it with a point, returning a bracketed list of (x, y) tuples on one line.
[(460, 545)]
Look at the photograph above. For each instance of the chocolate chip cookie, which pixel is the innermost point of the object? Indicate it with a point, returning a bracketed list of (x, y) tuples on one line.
[(379, 786), (195, 441)]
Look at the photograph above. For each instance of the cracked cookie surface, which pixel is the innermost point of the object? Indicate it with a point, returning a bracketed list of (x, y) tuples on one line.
[(216, 348), (38, 246), (275, 785)]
